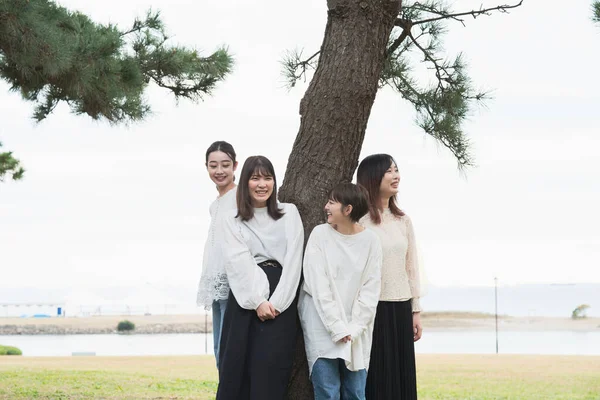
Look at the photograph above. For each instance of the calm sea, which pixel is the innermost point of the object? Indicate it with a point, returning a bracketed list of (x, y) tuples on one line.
[(565, 343)]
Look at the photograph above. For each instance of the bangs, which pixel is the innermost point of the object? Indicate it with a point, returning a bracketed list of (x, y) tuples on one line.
[(335, 195), (261, 170)]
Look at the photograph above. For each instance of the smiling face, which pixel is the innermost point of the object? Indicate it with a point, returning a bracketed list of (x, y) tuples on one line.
[(336, 212), (389, 182), (221, 169), (260, 187)]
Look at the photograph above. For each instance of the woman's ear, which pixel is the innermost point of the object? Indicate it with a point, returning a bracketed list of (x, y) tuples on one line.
[(347, 210), (235, 165)]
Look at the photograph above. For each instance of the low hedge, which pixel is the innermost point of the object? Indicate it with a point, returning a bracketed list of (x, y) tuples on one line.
[(126, 326), (10, 351)]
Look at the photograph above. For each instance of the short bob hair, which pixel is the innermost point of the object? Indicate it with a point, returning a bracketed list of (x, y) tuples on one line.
[(370, 174), (349, 194), (256, 165)]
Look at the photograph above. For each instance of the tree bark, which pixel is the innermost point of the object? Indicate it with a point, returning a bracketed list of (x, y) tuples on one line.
[(333, 118)]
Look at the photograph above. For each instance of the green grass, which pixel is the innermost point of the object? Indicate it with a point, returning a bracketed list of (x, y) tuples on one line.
[(27, 384), (455, 377)]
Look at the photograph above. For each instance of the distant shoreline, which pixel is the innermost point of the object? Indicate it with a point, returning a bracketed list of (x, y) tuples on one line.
[(195, 323)]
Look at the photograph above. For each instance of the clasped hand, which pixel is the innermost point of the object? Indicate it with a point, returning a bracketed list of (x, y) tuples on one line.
[(266, 311), (346, 339)]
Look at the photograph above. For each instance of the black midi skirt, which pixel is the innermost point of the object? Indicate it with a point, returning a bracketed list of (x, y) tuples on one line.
[(392, 372), (256, 357)]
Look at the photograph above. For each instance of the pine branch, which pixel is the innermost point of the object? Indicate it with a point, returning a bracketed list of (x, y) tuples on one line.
[(10, 166), (296, 68), (436, 118), (51, 55), (596, 11), (442, 72), (443, 106), (444, 15), (152, 21), (406, 26)]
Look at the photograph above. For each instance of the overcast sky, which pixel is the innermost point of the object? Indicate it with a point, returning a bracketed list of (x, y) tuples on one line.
[(104, 205)]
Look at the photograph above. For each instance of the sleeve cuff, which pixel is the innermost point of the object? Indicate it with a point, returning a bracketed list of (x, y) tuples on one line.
[(255, 303), (416, 304), (355, 330), (338, 331)]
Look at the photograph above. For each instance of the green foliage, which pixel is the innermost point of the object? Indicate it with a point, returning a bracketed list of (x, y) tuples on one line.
[(50, 54), (10, 351), (596, 11), (579, 311), (416, 41), (9, 166), (126, 326)]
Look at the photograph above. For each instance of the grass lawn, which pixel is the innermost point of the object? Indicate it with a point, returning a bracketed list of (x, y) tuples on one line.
[(471, 377)]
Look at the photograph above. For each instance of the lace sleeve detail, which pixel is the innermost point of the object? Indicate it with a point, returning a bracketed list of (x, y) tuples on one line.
[(412, 266)]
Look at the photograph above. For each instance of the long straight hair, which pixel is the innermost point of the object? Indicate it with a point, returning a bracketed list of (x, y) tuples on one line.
[(370, 174), (256, 165)]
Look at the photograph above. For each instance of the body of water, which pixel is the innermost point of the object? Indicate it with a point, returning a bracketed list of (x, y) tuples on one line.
[(551, 342)]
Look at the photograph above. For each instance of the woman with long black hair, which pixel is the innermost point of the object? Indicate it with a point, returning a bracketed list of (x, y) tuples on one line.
[(263, 242), (392, 372), (213, 289)]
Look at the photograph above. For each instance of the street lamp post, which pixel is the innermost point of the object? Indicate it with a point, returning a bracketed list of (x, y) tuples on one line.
[(496, 309)]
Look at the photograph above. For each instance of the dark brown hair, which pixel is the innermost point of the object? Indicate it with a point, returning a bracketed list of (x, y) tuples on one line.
[(221, 146), (370, 174), (349, 194), (256, 165)]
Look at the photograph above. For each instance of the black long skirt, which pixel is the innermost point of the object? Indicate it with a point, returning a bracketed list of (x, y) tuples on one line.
[(256, 357), (392, 372)]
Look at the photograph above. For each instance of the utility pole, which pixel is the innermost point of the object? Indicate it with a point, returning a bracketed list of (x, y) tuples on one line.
[(496, 307)]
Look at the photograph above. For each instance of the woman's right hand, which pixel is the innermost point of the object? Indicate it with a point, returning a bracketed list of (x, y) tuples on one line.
[(346, 339), (265, 311)]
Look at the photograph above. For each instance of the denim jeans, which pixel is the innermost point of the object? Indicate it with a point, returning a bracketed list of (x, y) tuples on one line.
[(333, 381), (218, 312)]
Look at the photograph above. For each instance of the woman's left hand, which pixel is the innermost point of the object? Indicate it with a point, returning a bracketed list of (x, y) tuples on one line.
[(417, 327)]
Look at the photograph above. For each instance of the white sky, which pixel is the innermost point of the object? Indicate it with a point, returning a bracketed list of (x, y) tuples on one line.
[(104, 205)]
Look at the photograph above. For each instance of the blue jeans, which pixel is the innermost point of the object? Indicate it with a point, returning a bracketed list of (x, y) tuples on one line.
[(333, 381), (218, 312)]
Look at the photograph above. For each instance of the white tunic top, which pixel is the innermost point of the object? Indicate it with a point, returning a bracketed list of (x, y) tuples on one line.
[(340, 293), (213, 282), (400, 275), (249, 243)]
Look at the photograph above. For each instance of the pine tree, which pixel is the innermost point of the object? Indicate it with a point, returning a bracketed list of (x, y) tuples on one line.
[(596, 11), (50, 54), (9, 166), (369, 44)]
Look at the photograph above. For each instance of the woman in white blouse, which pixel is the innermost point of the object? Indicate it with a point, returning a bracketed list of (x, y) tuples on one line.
[(342, 282), (262, 242), (213, 290), (392, 372)]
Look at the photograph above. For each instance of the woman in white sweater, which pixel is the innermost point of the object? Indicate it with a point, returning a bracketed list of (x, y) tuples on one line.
[(342, 272), (262, 243), (392, 372), (213, 290)]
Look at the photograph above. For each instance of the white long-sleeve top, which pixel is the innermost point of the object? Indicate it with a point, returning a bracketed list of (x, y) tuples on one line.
[(342, 282), (400, 275), (213, 281), (248, 243)]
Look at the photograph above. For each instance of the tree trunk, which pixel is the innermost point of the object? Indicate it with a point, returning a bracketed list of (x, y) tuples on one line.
[(334, 114)]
